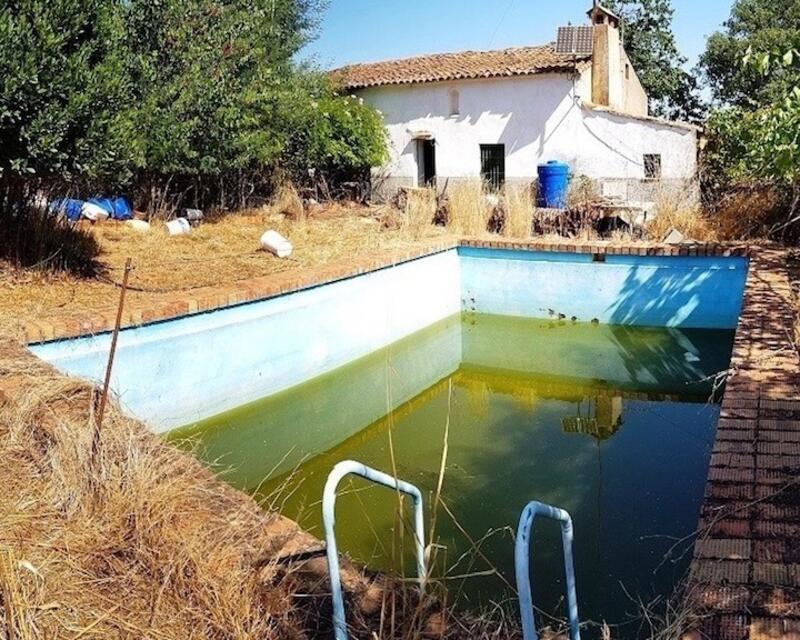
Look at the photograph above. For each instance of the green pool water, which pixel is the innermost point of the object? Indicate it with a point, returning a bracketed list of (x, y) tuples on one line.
[(613, 424)]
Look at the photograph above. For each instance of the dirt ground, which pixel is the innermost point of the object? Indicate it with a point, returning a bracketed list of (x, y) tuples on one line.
[(217, 252)]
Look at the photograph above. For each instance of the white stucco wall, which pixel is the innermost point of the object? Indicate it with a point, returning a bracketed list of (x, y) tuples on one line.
[(538, 118)]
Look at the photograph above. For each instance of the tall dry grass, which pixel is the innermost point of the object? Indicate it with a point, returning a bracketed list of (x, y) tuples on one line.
[(136, 539), (518, 205), (468, 210), (747, 212), (679, 207), (287, 202), (419, 213)]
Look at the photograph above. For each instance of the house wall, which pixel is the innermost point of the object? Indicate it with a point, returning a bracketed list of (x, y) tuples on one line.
[(538, 118), (634, 97)]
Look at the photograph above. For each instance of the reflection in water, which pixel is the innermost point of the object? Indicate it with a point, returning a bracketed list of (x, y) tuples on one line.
[(613, 424)]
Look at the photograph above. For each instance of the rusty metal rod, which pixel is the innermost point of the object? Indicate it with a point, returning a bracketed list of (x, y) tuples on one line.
[(104, 397)]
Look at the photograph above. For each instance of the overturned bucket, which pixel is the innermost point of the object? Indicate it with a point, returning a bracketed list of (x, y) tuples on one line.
[(276, 244), (179, 227)]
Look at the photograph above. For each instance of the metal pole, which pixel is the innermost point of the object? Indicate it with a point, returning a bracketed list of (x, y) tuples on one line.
[(341, 470), (104, 397), (522, 567)]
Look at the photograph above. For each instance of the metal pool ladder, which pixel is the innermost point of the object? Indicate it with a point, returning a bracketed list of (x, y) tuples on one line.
[(522, 567), (341, 470)]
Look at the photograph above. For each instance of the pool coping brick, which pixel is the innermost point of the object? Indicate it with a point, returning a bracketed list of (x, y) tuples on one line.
[(755, 460), (205, 299), (745, 572)]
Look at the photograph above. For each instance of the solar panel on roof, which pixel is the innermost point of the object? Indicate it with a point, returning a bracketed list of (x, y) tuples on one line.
[(577, 40)]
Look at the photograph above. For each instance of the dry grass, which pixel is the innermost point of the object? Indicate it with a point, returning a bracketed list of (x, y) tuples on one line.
[(137, 540), (419, 212), (748, 212), (468, 211), (287, 202), (582, 192), (679, 208), (517, 204), (218, 252)]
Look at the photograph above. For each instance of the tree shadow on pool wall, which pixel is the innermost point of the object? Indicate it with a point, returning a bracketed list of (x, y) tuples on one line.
[(687, 294)]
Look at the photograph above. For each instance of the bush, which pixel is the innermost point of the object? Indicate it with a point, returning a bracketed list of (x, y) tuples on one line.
[(64, 91)]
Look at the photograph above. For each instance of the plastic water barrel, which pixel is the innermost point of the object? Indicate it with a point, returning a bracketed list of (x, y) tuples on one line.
[(553, 183), (118, 207), (70, 208)]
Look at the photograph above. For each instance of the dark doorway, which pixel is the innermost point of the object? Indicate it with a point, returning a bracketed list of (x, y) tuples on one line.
[(493, 165), (426, 163)]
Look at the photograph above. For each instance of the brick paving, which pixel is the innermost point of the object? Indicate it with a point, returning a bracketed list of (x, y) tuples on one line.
[(745, 571)]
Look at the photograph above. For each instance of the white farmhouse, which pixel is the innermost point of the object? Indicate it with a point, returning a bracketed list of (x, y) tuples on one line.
[(499, 114)]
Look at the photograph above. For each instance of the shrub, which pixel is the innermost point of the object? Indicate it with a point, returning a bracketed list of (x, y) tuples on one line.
[(64, 92)]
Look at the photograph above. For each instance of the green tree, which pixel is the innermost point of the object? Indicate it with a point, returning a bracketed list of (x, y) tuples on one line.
[(210, 76), (760, 145), (200, 99), (758, 25), (222, 103), (331, 136), (63, 88), (650, 43)]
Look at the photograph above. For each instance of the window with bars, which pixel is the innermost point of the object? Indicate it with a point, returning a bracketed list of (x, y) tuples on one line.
[(493, 165), (652, 166)]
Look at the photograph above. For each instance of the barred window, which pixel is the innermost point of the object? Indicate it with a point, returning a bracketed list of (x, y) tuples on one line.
[(652, 166)]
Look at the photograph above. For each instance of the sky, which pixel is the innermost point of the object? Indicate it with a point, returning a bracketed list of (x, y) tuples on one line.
[(369, 30)]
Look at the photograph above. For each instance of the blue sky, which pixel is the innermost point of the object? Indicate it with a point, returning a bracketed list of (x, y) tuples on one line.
[(368, 30)]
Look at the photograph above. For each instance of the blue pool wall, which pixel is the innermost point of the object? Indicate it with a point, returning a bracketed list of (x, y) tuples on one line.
[(173, 373), (654, 291), (176, 372)]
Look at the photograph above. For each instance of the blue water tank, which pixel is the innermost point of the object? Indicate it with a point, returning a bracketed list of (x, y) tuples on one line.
[(553, 183), (118, 208)]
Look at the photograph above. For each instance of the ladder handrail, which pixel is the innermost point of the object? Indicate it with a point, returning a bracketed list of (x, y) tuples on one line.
[(342, 469), (522, 567)]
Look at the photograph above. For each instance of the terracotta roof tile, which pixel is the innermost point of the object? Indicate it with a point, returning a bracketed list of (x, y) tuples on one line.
[(464, 65)]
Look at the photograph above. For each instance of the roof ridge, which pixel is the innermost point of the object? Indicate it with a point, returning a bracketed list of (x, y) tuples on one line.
[(435, 54), (459, 65)]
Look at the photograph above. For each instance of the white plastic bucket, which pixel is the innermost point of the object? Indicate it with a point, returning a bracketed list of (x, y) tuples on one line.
[(179, 227), (93, 212), (142, 226), (276, 244)]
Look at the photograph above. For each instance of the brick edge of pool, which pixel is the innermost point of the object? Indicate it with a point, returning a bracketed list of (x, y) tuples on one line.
[(745, 573), (183, 303)]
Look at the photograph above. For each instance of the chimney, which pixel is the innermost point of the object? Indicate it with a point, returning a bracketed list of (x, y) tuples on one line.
[(607, 62)]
